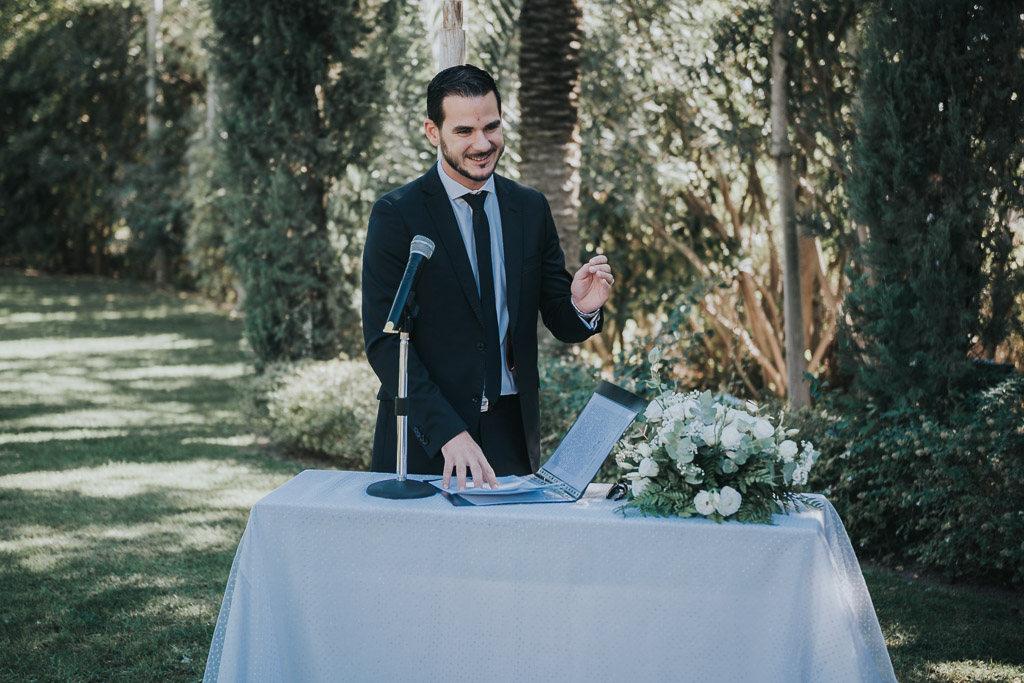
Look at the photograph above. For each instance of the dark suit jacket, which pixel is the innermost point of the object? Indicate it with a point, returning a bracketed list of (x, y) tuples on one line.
[(446, 356)]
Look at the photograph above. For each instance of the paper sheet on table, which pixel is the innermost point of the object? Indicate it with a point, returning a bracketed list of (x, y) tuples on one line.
[(507, 485)]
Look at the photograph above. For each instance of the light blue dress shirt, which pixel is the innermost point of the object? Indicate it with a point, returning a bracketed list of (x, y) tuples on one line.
[(464, 216)]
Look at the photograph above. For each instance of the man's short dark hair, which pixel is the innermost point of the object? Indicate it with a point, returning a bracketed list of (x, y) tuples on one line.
[(464, 80)]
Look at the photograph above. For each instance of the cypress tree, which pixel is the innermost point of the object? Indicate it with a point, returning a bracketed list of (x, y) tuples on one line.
[(301, 90), (937, 168)]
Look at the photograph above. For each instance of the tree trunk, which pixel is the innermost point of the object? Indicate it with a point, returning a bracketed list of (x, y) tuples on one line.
[(154, 47), (211, 105), (549, 72), (452, 50), (782, 153), (809, 287)]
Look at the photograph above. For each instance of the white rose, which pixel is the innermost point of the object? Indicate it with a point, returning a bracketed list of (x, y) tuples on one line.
[(653, 412), (702, 501), (763, 429), (638, 486), (731, 437), (788, 450), (648, 468), (644, 449), (710, 435), (729, 500)]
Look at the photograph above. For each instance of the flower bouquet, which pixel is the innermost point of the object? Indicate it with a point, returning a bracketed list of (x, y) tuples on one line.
[(695, 454)]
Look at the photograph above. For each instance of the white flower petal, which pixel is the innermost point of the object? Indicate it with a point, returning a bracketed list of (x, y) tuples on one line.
[(638, 486), (648, 468), (702, 501), (763, 429), (729, 500), (788, 450)]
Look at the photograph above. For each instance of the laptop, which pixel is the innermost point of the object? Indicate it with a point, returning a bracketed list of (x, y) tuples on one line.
[(570, 469)]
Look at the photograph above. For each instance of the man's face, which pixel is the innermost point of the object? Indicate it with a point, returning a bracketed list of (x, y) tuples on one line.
[(470, 138)]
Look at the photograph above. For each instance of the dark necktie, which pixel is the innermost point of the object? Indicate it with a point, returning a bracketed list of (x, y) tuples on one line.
[(482, 238)]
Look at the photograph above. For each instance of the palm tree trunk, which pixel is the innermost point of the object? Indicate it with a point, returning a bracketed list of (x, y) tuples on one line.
[(549, 72), (452, 39)]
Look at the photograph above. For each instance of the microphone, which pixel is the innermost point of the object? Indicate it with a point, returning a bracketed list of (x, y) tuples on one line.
[(420, 250)]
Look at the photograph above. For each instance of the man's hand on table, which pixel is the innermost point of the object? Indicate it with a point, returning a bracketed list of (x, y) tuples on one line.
[(463, 452)]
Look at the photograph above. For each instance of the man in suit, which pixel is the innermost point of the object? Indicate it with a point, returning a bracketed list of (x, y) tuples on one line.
[(473, 379)]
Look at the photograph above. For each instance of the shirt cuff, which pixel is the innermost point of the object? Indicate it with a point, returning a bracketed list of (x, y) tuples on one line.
[(589, 319)]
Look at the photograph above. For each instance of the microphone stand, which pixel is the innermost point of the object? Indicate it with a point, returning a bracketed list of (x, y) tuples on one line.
[(401, 487)]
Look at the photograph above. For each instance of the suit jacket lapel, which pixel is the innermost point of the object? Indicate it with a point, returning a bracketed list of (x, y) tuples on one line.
[(440, 209), (512, 242)]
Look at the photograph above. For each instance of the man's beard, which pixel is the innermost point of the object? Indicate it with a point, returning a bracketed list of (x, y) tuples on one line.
[(457, 166)]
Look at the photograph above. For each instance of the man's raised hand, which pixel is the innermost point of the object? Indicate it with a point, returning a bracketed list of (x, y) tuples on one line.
[(592, 284)]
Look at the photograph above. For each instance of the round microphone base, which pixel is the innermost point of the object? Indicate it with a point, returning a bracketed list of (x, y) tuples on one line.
[(400, 490)]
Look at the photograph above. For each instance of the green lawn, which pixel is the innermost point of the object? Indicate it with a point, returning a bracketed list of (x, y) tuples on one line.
[(127, 471)]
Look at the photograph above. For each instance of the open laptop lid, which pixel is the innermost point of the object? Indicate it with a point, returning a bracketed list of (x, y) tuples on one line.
[(597, 429), (571, 468)]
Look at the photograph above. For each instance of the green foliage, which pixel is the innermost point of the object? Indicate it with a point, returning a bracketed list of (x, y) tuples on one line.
[(302, 98), (937, 175), (566, 384), (943, 491), (83, 188), (205, 240), (70, 116), (677, 175), (325, 407)]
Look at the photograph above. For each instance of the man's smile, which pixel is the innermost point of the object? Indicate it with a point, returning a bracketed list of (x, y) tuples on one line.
[(481, 158)]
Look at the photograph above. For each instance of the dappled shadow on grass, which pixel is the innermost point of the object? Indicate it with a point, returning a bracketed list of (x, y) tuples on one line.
[(120, 565), (75, 448), (940, 633), (127, 471), (113, 611)]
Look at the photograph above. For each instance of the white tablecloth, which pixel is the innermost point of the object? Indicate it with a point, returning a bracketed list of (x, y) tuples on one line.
[(330, 584)]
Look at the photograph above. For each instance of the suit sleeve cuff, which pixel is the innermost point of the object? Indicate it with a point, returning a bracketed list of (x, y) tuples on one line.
[(589, 319)]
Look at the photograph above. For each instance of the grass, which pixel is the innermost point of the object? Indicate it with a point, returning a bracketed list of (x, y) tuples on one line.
[(127, 471)]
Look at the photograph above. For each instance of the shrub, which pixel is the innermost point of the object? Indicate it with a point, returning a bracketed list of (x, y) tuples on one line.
[(326, 407), (942, 491)]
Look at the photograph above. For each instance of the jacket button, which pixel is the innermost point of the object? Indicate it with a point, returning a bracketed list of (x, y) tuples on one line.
[(476, 398), (480, 346)]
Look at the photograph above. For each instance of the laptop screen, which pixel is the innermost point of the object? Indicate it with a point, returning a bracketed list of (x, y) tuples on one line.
[(591, 438)]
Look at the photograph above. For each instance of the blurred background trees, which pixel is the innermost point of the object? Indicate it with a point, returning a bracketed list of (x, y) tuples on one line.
[(300, 96), (269, 129), (243, 162)]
